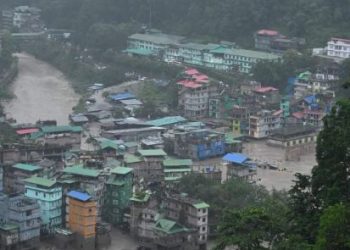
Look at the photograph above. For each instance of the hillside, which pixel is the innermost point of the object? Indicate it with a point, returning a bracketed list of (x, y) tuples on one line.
[(233, 20)]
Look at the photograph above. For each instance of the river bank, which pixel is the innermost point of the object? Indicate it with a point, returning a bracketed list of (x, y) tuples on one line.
[(41, 92)]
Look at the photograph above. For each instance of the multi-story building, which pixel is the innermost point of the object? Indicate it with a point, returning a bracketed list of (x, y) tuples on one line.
[(151, 172), (193, 214), (338, 47), (175, 169), (81, 218), (199, 144), (49, 197), (27, 19), (224, 56), (263, 38), (151, 43), (239, 166), (14, 176), (92, 181), (117, 195), (9, 237), (261, 124), (24, 214), (6, 20), (296, 140)]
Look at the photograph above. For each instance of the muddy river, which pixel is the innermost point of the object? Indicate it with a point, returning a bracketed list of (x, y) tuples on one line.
[(41, 93)]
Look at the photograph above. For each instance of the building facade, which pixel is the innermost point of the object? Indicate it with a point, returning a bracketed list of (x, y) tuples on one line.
[(261, 124), (81, 218), (49, 197), (117, 195), (338, 47)]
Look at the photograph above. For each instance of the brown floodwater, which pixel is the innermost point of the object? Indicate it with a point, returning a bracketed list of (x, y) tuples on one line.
[(41, 93)]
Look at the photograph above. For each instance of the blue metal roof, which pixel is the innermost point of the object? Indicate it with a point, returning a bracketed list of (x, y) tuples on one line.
[(122, 96), (235, 158), (310, 99), (79, 195)]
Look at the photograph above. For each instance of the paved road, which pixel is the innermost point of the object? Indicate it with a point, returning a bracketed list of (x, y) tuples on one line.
[(41, 92)]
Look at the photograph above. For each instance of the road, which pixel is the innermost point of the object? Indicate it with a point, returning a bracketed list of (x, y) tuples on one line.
[(41, 93)]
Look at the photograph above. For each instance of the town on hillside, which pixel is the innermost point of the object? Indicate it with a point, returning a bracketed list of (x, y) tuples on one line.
[(119, 160)]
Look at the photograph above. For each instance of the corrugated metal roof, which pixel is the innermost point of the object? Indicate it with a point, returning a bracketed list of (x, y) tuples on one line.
[(26, 167), (201, 205), (80, 170), (121, 96), (121, 170), (139, 51), (129, 158), (79, 195), (61, 129), (168, 120), (152, 152), (40, 181), (235, 158), (131, 102), (177, 170), (177, 162), (169, 226), (26, 131)]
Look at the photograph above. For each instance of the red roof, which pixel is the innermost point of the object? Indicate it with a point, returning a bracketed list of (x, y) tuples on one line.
[(201, 78), (265, 89), (266, 32), (189, 84), (298, 115), (191, 71), (26, 131), (278, 112)]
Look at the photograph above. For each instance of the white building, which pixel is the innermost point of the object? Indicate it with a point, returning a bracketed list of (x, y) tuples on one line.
[(261, 124), (338, 47)]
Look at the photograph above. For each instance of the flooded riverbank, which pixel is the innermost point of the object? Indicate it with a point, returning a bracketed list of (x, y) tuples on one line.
[(41, 93)]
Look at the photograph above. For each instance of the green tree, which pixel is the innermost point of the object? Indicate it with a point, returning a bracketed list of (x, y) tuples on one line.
[(331, 177), (334, 231), (248, 229)]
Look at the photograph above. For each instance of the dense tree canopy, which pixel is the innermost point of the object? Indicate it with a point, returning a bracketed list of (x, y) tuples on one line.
[(233, 20)]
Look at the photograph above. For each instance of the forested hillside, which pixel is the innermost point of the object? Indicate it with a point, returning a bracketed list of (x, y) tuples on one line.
[(233, 20)]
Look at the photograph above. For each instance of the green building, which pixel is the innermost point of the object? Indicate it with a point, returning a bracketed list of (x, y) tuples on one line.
[(118, 194), (49, 197), (175, 169)]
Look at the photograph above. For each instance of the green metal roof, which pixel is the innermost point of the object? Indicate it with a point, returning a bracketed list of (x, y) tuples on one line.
[(177, 170), (131, 144), (80, 170), (40, 181), (152, 152), (36, 135), (169, 226), (201, 205), (121, 170), (141, 52), (170, 162), (26, 167), (145, 198), (110, 144), (168, 120), (130, 158), (246, 53), (61, 129), (8, 226)]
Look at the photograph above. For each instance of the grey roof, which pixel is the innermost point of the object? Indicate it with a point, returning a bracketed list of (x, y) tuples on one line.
[(131, 102), (158, 38)]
